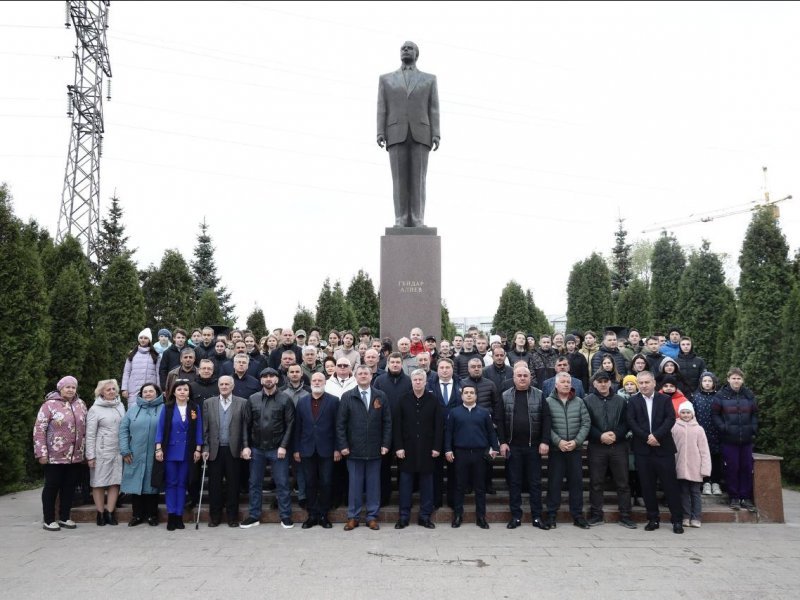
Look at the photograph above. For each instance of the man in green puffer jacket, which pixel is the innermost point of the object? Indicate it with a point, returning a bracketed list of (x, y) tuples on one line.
[(570, 425)]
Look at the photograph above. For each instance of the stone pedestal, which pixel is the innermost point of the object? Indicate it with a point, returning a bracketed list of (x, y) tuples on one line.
[(767, 488), (411, 282)]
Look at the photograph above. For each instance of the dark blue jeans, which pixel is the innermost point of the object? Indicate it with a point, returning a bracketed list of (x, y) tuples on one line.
[(560, 464), (521, 460), (280, 474)]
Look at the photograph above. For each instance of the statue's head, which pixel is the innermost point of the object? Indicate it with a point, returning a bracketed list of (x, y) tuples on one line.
[(409, 52)]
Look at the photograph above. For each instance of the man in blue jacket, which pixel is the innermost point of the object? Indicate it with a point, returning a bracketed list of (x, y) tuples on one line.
[(315, 448)]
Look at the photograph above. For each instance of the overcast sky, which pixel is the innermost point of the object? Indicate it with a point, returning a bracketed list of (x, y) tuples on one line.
[(555, 119)]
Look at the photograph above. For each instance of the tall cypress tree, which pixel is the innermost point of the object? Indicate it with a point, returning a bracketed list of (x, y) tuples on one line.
[(787, 417), (120, 316), (362, 297), (537, 319), (169, 293), (303, 319), (333, 311), (25, 341), (448, 329), (208, 311), (589, 295), (112, 241), (69, 335), (632, 308), (256, 323), (667, 267), (702, 299), (204, 270), (764, 285), (512, 310), (726, 332), (621, 270)]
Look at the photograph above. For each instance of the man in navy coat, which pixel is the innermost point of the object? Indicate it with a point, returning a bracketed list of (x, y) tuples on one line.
[(363, 435), (651, 418), (408, 124), (315, 448)]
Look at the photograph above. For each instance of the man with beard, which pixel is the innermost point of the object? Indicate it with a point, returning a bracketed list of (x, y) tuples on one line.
[(315, 449)]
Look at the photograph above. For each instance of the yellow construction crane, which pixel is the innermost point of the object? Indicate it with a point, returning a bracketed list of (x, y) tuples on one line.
[(723, 212)]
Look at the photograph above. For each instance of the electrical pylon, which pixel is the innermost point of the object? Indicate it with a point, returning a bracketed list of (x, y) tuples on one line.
[(80, 198)]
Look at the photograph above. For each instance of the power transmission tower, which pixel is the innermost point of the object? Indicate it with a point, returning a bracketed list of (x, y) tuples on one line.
[(80, 198)]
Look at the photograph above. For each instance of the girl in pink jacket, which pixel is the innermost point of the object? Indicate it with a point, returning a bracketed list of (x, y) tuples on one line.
[(692, 462)]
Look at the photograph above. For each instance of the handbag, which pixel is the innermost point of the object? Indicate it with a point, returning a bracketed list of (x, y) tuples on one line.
[(158, 475)]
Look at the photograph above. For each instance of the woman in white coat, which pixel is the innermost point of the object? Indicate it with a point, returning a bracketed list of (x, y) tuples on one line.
[(102, 449)]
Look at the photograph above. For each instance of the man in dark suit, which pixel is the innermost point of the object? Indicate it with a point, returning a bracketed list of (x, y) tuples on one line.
[(447, 391), (651, 418), (224, 437), (418, 436), (408, 124), (363, 435), (315, 448)]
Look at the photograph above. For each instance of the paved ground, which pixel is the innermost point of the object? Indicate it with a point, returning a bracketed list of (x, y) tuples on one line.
[(731, 561)]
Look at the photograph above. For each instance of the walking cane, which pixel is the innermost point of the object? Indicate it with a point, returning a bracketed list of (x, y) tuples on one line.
[(200, 499)]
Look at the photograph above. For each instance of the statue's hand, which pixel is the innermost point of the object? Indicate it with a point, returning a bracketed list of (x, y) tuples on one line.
[(381, 140), (435, 143)]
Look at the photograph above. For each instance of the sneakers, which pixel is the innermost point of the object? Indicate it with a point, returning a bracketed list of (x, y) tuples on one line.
[(249, 522), (716, 490), (595, 520), (287, 523), (51, 526), (695, 523), (748, 505), (627, 523), (581, 522), (706, 489), (68, 524), (734, 505)]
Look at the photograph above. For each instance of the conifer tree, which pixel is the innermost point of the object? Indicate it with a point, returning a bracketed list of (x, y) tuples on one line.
[(362, 297), (333, 311), (112, 241), (787, 415), (667, 267), (25, 342), (632, 308), (726, 331), (204, 271), (764, 285), (69, 334), (621, 274), (208, 311), (303, 319), (512, 311), (257, 324), (702, 299), (536, 318), (589, 295), (120, 316), (169, 293), (448, 328)]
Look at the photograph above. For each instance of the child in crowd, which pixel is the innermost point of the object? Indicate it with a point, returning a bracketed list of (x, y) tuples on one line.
[(692, 462), (669, 386), (702, 400), (628, 389)]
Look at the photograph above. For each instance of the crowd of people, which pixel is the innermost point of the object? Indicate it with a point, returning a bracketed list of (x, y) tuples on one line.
[(335, 413)]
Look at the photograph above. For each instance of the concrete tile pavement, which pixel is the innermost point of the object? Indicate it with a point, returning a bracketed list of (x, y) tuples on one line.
[(730, 561)]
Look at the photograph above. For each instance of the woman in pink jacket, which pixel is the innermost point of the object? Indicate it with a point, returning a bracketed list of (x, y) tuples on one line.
[(59, 443), (692, 462)]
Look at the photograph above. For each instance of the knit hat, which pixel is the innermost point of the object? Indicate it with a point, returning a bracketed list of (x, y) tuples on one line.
[(713, 378), (686, 406), (570, 338), (66, 380), (165, 332), (630, 378), (146, 333), (669, 379), (495, 339)]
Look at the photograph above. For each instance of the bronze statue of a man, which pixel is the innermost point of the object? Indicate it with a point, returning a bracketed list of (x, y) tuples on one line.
[(408, 124)]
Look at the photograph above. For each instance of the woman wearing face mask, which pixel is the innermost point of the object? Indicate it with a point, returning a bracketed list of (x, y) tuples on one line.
[(59, 442)]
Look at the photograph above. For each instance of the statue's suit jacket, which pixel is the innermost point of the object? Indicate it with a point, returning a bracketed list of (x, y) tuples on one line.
[(415, 107)]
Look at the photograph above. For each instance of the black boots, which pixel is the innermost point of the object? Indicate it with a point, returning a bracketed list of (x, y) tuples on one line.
[(101, 518)]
